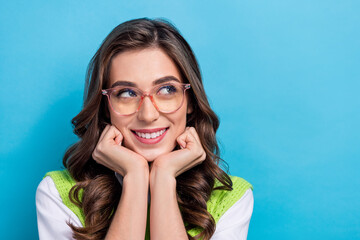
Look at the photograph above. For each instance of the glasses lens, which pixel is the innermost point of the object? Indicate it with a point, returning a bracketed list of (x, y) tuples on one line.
[(169, 97), (125, 100)]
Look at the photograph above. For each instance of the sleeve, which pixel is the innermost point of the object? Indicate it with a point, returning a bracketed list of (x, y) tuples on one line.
[(52, 214), (234, 224)]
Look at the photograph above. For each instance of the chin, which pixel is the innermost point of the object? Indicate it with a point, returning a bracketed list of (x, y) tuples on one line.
[(151, 155), (151, 152)]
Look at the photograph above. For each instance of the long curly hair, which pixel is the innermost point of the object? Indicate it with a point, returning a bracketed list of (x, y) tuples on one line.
[(97, 191)]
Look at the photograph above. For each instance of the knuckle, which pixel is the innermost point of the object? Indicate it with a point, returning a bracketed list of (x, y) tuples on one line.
[(202, 155), (100, 148), (95, 155), (201, 152)]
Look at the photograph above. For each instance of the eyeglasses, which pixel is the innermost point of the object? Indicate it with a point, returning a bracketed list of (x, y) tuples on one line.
[(167, 98)]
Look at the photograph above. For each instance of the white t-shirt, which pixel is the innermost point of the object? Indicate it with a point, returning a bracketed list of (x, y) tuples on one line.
[(52, 215)]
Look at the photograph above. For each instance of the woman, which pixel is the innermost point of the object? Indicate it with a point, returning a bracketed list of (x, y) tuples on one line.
[(145, 118)]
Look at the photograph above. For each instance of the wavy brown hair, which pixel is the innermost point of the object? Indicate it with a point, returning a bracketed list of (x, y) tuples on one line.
[(100, 189)]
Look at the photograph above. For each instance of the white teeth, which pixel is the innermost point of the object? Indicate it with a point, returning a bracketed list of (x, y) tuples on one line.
[(150, 135)]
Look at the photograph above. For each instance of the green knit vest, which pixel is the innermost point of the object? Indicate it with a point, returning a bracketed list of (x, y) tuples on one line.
[(220, 200)]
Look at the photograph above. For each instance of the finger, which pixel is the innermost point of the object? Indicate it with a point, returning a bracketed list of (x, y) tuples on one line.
[(190, 138), (110, 135), (106, 129), (181, 141), (194, 133), (119, 138), (185, 138), (114, 134), (201, 152)]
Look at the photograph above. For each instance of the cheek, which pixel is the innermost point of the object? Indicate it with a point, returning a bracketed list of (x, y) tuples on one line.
[(119, 122), (181, 121)]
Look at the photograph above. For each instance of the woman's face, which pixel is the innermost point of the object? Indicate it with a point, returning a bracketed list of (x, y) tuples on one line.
[(143, 69)]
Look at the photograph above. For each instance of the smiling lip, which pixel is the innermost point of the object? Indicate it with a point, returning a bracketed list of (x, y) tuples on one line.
[(150, 136)]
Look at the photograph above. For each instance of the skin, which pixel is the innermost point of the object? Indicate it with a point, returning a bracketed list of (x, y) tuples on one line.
[(148, 167)]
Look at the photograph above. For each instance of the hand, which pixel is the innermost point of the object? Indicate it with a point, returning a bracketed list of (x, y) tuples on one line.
[(111, 154), (179, 161)]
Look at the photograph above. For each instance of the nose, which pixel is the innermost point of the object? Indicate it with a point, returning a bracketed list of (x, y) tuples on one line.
[(147, 111)]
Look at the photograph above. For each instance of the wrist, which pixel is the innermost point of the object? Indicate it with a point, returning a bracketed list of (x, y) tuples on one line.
[(137, 168), (139, 178), (160, 177)]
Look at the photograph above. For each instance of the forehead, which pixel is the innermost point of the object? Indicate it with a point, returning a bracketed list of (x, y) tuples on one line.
[(142, 67)]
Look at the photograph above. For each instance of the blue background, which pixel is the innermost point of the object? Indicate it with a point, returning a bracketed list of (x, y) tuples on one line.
[(284, 77)]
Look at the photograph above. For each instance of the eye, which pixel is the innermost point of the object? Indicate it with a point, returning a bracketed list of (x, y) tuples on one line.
[(125, 93), (167, 90)]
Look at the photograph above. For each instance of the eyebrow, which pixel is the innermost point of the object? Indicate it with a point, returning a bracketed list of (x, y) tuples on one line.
[(165, 79), (156, 82)]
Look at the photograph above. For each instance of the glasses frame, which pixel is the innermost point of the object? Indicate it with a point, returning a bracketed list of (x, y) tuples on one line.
[(107, 92)]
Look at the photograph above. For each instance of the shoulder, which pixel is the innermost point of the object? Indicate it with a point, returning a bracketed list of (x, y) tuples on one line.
[(46, 188), (235, 221), (52, 214), (239, 182), (62, 180), (242, 208), (59, 184), (53, 185), (239, 187), (229, 206), (222, 200), (61, 176)]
